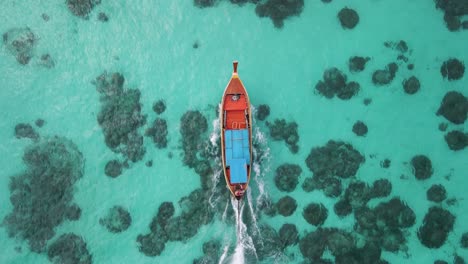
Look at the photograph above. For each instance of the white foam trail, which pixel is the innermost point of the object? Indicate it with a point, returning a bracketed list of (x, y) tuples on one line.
[(214, 198), (261, 167), (217, 171), (238, 257), (224, 216), (216, 132), (252, 211), (224, 255), (244, 241)]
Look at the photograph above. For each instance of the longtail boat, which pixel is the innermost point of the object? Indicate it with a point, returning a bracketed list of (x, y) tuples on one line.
[(236, 135)]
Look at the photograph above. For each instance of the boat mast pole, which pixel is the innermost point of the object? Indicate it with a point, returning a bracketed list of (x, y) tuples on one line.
[(234, 64)]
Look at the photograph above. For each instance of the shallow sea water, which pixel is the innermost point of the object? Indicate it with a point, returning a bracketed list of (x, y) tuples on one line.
[(152, 44)]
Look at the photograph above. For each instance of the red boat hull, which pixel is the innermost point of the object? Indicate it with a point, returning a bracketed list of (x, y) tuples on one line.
[(235, 117)]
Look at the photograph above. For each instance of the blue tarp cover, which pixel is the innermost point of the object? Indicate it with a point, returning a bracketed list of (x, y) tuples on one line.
[(237, 146), (238, 169), (237, 153)]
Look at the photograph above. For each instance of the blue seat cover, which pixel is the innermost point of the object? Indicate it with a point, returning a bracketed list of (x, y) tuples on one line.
[(237, 145), (228, 138), (245, 137), (237, 134), (247, 155), (238, 171)]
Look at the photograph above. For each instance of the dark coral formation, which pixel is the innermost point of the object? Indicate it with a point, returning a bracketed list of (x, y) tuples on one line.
[(204, 3), (313, 245), (454, 9), (381, 188), (20, 42), (211, 251), (348, 17), (315, 214), (411, 85), (165, 212), (263, 111), (458, 260), (42, 195), (351, 89), (73, 212), (116, 220), (287, 177), (151, 244), (453, 23), (287, 131), (385, 163), (241, 2), (335, 83), (443, 126), (452, 69), (331, 186), (385, 76), (45, 17), (342, 208), (400, 46), (158, 132), (195, 212), (192, 127), (103, 17), (357, 63), (456, 140), (464, 240), (113, 168), (82, 8), (159, 107), (47, 61), (359, 128), (39, 122), (395, 214), (286, 206), (357, 194), (279, 10), (438, 222), (436, 193), (120, 116), (330, 163), (23, 130), (454, 107), (69, 248), (385, 224), (336, 158), (289, 235), (267, 242), (340, 244), (422, 167)]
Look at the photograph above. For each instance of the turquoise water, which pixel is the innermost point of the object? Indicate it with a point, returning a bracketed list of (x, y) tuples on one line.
[(152, 44)]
